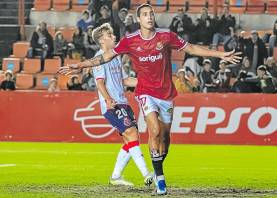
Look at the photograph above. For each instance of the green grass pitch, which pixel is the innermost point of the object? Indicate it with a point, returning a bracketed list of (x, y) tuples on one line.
[(83, 170)]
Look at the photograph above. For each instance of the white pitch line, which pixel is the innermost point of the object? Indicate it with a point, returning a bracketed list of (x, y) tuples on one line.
[(7, 165)]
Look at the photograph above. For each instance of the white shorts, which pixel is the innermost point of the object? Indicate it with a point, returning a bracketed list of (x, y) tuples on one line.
[(150, 104)]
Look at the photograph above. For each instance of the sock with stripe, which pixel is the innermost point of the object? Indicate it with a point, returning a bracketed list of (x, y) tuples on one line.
[(122, 160), (137, 156)]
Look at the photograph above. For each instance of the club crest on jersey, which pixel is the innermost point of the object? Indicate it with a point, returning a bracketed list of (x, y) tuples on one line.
[(127, 122), (139, 49), (159, 46)]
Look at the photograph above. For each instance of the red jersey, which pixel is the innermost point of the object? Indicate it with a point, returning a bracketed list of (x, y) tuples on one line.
[(151, 60)]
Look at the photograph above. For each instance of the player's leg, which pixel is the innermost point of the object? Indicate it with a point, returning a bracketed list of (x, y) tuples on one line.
[(165, 119), (122, 160), (149, 107), (123, 156), (131, 135)]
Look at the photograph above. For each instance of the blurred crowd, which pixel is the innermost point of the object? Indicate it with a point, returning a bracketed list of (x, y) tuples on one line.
[(256, 73)]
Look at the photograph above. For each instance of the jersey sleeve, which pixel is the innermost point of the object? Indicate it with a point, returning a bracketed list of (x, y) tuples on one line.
[(99, 72), (121, 47), (176, 42)]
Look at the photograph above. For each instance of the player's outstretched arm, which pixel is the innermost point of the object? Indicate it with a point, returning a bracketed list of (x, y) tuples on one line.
[(232, 57), (93, 62), (130, 82)]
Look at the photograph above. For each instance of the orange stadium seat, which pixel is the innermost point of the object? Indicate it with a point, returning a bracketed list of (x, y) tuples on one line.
[(31, 66), (67, 32), (42, 5), (174, 5), (11, 64), (20, 49), (195, 6), (61, 5), (238, 6), (24, 81), (255, 6), (79, 5), (272, 7), (51, 66), (42, 81), (62, 81), (159, 5)]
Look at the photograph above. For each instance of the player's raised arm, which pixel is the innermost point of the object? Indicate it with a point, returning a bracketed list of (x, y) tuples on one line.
[(93, 62), (232, 57)]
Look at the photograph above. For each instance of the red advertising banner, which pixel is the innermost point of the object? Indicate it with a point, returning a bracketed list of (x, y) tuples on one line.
[(198, 118)]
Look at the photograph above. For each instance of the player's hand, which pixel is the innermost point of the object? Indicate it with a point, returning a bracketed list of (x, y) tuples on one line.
[(232, 57), (110, 103), (69, 69)]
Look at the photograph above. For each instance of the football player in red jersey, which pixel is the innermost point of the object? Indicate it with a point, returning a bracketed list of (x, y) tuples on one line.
[(150, 51)]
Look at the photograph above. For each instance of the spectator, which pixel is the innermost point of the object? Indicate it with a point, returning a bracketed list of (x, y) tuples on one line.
[(223, 77), (131, 24), (271, 67), (226, 22), (182, 23), (53, 85), (265, 81), (95, 5), (192, 62), (241, 85), (77, 47), (182, 84), (8, 83), (85, 21), (74, 83), (207, 77), (119, 18), (105, 16), (233, 43), (272, 39), (41, 43), (60, 46), (255, 49), (90, 46), (203, 30), (192, 78), (88, 81)]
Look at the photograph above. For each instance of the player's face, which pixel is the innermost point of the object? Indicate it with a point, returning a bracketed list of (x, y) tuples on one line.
[(108, 39), (147, 18)]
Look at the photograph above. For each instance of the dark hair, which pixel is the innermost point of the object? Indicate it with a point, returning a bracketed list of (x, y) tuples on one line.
[(143, 6)]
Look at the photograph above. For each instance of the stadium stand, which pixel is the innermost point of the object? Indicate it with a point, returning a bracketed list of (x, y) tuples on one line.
[(24, 81), (31, 66), (61, 5), (272, 7), (42, 5), (42, 81), (79, 5), (20, 49), (12, 64), (256, 6), (51, 66)]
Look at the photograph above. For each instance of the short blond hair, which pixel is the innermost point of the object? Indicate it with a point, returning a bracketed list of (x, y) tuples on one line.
[(97, 33)]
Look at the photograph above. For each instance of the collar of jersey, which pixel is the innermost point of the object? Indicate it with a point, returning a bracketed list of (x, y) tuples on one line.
[(149, 38)]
